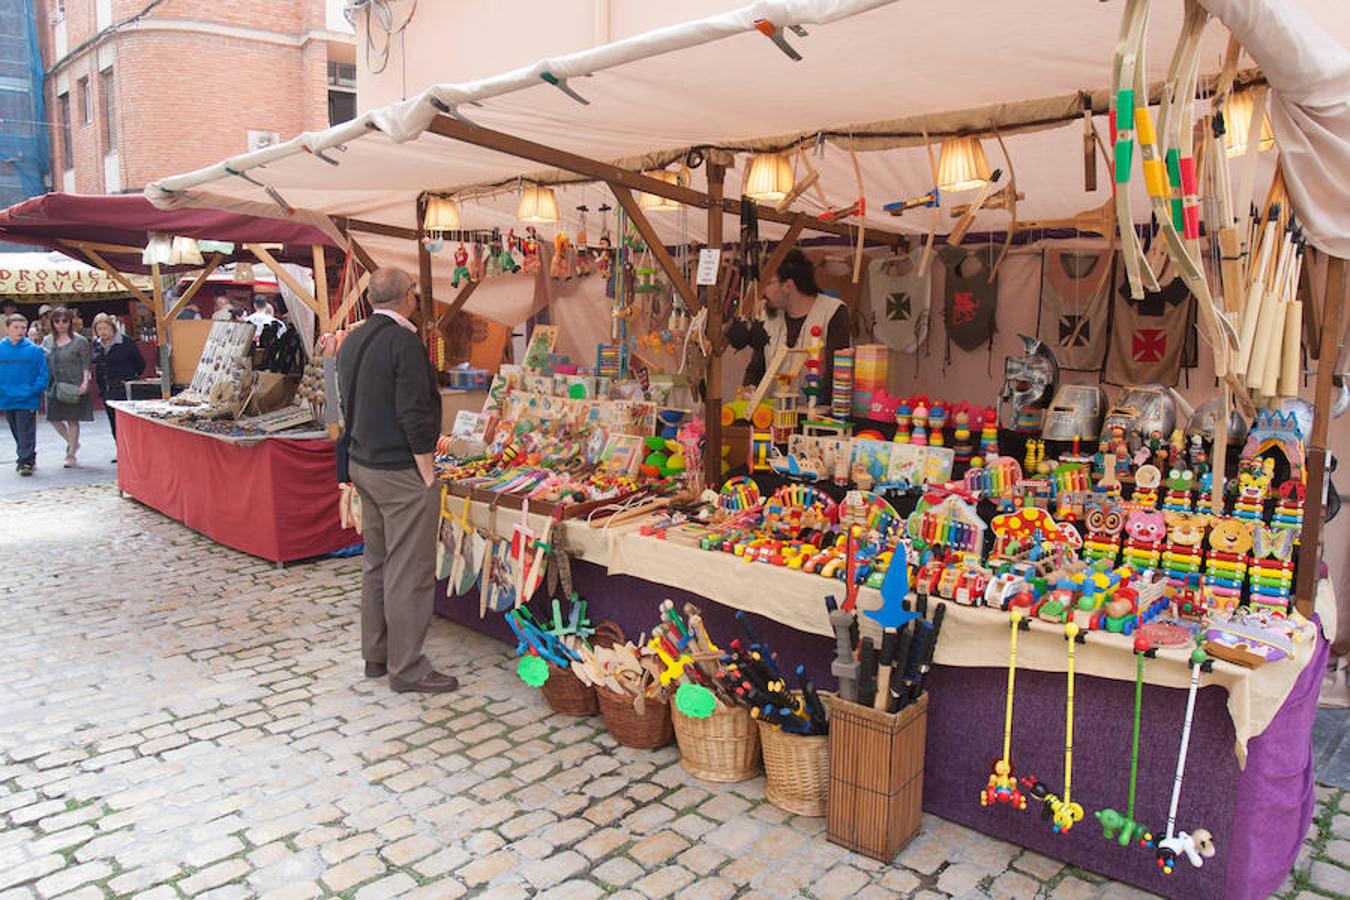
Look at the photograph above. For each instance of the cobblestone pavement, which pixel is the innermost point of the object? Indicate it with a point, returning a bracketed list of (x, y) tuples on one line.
[(177, 719)]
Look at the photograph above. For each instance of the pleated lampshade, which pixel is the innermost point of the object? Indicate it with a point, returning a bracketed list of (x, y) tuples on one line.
[(185, 252), (961, 164), (538, 204), (158, 249), (770, 177), (442, 215), (655, 202), (1237, 122)]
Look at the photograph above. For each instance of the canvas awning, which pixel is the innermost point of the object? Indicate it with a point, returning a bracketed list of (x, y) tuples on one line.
[(54, 277), (874, 74), (54, 220)]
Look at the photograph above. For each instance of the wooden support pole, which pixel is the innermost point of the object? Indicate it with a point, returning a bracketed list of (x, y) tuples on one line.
[(712, 383), (361, 255), (162, 335), (211, 265), (789, 241), (287, 278), (657, 247), (325, 309), (104, 248), (1310, 551), (424, 275)]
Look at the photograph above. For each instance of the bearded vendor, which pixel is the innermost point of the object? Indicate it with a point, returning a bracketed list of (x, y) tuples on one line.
[(794, 306)]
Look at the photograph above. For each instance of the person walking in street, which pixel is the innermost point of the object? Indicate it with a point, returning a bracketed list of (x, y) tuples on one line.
[(69, 401), (391, 408), (117, 360), (23, 377)]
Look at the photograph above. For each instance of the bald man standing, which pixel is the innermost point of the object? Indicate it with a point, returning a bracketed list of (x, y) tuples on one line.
[(393, 415)]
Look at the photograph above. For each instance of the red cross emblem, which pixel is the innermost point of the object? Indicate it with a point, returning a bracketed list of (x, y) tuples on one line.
[(964, 307), (1149, 345)]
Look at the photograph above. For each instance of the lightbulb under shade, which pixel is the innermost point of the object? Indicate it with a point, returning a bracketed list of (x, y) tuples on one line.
[(655, 202), (538, 205), (770, 177), (1237, 122), (961, 164), (442, 214)]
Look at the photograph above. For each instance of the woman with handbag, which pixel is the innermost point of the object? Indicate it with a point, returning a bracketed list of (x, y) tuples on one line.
[(117, 360), (68, 399)]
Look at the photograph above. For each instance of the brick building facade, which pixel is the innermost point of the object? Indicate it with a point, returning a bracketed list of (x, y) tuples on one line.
[(140, 89)]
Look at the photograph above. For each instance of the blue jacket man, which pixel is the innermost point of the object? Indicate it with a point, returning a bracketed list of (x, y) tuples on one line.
[(23, 378)]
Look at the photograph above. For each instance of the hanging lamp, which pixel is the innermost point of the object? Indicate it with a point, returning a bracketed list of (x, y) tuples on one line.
[(1237, 123), (961, 164), (442, 215), (770, 177), (185, 252), (655, 202), (538, 205)]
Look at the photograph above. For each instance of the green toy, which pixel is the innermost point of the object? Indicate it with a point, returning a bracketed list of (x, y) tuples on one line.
[(695, 701), (532, 670)]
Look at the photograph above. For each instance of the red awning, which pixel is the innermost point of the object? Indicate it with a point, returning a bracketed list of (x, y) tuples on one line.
[(126, 219)]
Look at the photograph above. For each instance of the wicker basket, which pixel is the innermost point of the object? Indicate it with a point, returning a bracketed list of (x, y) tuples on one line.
[(797, 770), (723, 747), (652, 729), (876, 776), (567, 694)]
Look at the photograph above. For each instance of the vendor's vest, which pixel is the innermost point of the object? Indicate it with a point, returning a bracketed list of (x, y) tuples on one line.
[(1075, 307), (899, 302), (969, 301), (822, 311), (1149, 337)]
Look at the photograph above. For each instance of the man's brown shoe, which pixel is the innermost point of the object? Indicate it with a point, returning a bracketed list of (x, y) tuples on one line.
[(432, 683), (376, 670)]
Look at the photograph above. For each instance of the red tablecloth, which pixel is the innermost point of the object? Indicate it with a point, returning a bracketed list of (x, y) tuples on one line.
[(275, 498)]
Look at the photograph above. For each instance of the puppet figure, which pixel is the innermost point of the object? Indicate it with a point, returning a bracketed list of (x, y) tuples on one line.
[(462, 272), (530, 250), (561, 264)]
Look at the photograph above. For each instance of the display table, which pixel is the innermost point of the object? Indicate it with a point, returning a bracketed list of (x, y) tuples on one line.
[(271, 497), (1258, 814)]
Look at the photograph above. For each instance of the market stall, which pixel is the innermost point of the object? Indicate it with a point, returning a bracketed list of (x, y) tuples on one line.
[(1164, 534), (265, 495)]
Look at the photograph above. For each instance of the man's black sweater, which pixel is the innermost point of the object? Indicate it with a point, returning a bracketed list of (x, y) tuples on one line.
[(396, 409)]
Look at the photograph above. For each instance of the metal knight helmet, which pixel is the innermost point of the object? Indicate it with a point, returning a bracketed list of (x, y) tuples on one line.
[(1029, 381)]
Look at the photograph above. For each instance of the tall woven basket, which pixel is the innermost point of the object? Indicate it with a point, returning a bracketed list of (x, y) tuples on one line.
[(567, 694), (647, 730), (797, 771), (723, 747)]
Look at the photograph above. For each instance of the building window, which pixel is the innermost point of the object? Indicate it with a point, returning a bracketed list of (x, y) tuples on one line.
[(341, 106), (67, 153), (86, 102), (109, 98), (342, 75)]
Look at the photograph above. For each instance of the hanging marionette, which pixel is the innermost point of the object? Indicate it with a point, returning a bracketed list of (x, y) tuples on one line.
[(513, 246), (530, 250), (560, 267), (604, 251), (462, 272), (583, 256)]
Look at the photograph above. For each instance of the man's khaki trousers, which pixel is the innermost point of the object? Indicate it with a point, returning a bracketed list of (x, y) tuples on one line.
[(398, 590)]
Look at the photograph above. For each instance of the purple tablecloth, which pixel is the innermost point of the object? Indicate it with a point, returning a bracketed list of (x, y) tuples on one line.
[(1258, 816)]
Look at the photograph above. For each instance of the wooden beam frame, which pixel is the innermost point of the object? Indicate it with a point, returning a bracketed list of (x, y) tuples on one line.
[(320, 266), (103, 248), (346, 223), (638, 217), (211, 265), (787, 243), (1333, 335), (287, 278), (457, 304), (115, 275), (457, 130), (165, 360)]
